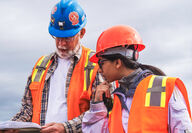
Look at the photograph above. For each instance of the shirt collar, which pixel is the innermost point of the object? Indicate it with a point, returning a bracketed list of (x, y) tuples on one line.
[(129, 83), (78, 53)]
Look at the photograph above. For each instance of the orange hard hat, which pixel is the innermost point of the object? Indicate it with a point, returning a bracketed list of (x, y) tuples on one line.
[(120, 35)]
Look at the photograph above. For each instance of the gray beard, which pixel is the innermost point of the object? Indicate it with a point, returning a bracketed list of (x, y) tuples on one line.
[(68, 54)]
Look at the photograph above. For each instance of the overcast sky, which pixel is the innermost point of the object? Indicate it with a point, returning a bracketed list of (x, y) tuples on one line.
[(164, 25)]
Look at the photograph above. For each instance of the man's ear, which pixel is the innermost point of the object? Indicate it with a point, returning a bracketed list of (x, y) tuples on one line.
[(82, 32)]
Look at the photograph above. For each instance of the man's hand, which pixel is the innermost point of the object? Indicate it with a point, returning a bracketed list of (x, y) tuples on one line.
[(53, 128), (102, 89)]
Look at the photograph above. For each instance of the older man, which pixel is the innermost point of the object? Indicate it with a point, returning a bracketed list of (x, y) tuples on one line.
[(58, 90)]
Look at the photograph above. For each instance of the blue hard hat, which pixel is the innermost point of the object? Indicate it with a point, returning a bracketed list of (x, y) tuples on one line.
[(67, 19)]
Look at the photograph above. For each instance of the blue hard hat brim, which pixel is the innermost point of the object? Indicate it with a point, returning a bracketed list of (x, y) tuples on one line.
[(65, 33)]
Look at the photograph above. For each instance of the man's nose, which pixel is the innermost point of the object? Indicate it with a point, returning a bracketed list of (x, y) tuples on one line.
[(62, 42)]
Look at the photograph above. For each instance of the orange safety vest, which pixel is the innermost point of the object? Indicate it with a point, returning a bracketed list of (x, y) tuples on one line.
[(149, 109), (79, 91)]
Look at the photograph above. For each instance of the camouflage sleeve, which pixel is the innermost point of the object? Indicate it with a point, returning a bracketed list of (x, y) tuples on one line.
[(25, 113)]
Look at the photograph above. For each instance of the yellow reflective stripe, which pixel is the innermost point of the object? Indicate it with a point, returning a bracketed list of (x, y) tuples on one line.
[(163, 97), (164, 81), (151, 81), (109, 112), (48, 63), (91, 72), (155, 90), (44, 71), (85, 73), (41, 75), (35, 71), (163, 94), (34, 74), (94, 64), (39, 63), (147, 99), (87, 60), (85, 82)]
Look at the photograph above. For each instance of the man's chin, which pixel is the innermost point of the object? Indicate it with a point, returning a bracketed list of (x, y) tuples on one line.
[(62, 55)]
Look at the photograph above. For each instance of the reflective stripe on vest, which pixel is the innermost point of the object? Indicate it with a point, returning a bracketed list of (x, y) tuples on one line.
[(156, 94), (40, 69), (88, 71), (77, 99), (146, 116), (37, 84), (79, 91)]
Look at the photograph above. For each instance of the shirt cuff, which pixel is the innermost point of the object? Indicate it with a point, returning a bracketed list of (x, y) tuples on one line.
[(94, 107), (65, 127)]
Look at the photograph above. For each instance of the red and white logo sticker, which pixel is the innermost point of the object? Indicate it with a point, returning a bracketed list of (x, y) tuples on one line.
[(54, 10), (74, 18)]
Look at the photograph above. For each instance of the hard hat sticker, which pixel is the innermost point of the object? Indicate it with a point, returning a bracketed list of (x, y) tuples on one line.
[(52, 20), (61, 25), (74, 18), (54, 10), (83, 18)]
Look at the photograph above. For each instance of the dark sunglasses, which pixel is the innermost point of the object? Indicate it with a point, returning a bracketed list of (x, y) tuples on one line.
[(101, 62)]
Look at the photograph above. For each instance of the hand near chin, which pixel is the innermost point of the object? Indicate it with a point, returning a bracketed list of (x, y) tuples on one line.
[(102, 89), (53, 128)]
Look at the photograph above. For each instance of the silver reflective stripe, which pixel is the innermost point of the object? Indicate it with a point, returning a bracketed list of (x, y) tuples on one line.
[(88, 69), (155, 97)]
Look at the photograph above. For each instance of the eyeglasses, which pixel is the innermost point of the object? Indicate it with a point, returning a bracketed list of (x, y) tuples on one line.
[(67, 39), (101, 62)]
